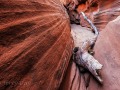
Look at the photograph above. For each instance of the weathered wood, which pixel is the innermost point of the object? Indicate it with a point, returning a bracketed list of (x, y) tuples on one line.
[(91, 24), (87, 61), (82, 57)]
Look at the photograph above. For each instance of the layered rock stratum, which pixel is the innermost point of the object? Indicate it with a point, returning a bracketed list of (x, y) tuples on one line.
[(105, 16), (36, 45)]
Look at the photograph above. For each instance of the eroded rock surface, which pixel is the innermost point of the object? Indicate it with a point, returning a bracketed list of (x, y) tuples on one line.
[(99, 11), (35, 44), (108, 11), (107, 50)]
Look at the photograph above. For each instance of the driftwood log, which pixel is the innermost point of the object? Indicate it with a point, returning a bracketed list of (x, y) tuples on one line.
[(84, 40)]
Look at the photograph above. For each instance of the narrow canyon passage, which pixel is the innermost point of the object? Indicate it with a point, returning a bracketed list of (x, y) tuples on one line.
[(107, 52), (36, 45)]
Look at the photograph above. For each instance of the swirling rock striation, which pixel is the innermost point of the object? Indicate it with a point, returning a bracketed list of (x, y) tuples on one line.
[(35, 44), (108, 11), (104, 16)]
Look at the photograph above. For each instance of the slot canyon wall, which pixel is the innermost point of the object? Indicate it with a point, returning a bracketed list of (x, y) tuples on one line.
[(105, 15), (99, 11), (36, 45), (108, 11), (107, 52)]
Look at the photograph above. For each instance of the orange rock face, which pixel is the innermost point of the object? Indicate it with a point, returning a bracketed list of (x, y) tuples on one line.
[(108, 10), (99, 11), (35, 44), (106, 49)]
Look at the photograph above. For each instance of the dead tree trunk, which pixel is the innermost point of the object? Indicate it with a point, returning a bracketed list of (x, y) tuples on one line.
[(92, 25), (81, 55)]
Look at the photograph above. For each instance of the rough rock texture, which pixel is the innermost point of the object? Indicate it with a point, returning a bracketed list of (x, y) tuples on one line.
[(35, 44)]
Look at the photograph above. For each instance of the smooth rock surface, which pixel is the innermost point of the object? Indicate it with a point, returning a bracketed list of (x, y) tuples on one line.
[(99, 11), (35, 44), (107, 50), (74, 79), (108, 11)]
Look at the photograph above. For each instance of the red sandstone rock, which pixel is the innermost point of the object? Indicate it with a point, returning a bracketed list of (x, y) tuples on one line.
[(107, 50), (35, 44), (107, 47), (99, 11), (108, 10)]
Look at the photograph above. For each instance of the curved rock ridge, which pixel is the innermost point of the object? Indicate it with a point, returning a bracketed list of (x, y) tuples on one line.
[(73, 80), (35, 44), (99, 11), (107, 50), (108, 11)]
